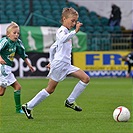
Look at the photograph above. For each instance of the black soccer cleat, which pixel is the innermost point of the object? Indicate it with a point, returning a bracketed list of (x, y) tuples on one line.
[(27, 111), (73, 106)]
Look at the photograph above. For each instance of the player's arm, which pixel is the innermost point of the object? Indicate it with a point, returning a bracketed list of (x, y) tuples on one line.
[(52, 52), (78, 25), (63, 36), (29, 65), (129, 70), (3, 44), (2, 61), (21, 52)]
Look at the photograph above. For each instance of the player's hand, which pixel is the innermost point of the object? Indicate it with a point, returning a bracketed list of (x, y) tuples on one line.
[(78, 25), (32, 68), (128, 75), (123, 58), (2, 61), (48, 66)]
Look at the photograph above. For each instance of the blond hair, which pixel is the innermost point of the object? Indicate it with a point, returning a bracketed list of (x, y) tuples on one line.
[(68, 12), (11, 26)]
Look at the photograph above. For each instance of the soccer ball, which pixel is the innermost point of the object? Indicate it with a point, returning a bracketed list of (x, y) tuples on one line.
[(121, 114)]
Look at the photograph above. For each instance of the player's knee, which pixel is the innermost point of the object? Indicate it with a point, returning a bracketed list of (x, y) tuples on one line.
[(1, 93), (18, 87), (50, 91), (86, 79), (2, 90)]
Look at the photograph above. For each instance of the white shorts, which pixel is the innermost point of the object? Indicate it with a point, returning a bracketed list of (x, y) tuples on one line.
[(59, 70), (6, 76)]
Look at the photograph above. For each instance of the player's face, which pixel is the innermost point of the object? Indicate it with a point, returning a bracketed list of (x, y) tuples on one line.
[(70, 22), (14, 34)]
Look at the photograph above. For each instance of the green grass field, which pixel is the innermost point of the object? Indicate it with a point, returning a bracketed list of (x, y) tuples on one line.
[(98, 101)]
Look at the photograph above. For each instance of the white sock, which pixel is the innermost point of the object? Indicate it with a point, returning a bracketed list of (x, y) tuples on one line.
[(78, 89), (37, 99)]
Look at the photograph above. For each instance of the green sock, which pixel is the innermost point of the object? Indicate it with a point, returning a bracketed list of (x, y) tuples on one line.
[(17, 94)]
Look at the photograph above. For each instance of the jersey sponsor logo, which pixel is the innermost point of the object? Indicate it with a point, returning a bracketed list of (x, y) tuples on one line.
[(11, 56), (10, 50)]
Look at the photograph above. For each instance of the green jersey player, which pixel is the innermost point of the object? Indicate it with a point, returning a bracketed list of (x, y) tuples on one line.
[(9, 46)]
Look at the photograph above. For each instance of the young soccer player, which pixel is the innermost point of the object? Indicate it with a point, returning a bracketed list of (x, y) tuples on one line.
[(9, 46), (60, 64)]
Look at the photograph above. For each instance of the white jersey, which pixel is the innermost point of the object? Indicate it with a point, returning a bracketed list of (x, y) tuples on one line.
[(61, 49)]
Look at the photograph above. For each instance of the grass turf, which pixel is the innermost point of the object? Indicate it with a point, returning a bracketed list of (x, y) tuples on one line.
[(98, 101)]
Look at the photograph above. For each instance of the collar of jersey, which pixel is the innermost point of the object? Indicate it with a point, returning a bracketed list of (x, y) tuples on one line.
[(10, 40)]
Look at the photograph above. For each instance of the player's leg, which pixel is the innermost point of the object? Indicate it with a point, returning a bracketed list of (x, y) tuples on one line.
[(3, 83), (17, 96), (2, 90), (80, 74), (43, 94), (11, 81), (78, 89)]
